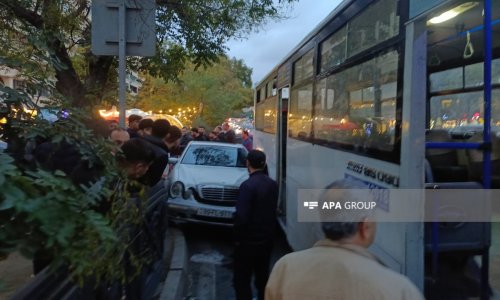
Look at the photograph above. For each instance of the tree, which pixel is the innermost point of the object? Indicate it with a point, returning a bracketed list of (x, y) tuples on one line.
[(78, 223), (49, 42), (55, 37), (219, 90)]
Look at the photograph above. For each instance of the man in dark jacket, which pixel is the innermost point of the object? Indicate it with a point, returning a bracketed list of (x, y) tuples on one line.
[(254, 226), (155, 172), (228, 134)]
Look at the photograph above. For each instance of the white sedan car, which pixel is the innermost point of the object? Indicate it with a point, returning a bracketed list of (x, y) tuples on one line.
[(204, 182)]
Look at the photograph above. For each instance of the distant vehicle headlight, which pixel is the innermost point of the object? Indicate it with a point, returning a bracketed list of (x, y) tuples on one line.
[(176, 189)]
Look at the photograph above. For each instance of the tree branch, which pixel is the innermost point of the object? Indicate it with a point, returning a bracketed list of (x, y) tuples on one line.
[(37, 6), (82, 6), (22, 13)]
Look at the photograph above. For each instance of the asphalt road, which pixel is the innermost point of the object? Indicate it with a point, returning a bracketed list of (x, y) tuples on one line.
[(210, 261)]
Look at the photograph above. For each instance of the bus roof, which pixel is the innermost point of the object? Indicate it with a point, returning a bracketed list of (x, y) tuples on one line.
[(311, 34)]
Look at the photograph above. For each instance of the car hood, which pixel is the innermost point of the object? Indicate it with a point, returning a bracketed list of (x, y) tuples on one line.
[(192, 175)]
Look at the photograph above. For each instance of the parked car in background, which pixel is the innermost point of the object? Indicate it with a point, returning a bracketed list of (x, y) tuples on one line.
[(204, 182)]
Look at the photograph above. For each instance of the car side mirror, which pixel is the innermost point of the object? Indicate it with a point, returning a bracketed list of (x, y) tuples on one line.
[(173, 160)]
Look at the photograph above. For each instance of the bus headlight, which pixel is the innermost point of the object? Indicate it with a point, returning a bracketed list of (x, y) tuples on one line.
[(176, 189)]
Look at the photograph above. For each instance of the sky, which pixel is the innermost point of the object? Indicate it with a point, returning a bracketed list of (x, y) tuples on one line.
[(262, 51)]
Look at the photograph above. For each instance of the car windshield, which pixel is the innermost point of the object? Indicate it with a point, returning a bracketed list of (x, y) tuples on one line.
[(215, 155)]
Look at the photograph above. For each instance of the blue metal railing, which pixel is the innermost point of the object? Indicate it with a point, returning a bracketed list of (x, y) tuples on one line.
[(486, 134)]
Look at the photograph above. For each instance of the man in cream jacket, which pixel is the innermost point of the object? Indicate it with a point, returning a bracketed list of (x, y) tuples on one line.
[(340, 266)]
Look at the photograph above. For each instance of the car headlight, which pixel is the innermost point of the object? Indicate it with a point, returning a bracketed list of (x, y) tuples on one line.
[(176, 189)]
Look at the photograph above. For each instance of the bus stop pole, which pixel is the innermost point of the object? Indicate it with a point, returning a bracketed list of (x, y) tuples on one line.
[(121, 61)]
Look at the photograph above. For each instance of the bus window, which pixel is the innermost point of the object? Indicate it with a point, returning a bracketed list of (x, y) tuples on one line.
[(446, 80), (300, 112), (303, 68), (333, 50), (265, 115), (269, 87), (357, 107), (474, 74), (375, 25), (460, 110), (462, 113)]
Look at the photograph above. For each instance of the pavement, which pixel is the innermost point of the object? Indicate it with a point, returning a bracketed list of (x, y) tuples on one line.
[(15, 272), (174, 284), (210, 250)]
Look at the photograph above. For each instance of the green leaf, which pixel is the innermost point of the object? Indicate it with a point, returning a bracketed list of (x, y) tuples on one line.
[(11, 194)]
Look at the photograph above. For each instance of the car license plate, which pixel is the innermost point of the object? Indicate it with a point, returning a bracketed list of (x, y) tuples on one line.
[(215, 213)]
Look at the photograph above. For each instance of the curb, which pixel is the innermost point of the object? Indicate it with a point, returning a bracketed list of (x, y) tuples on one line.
[(173, 287)]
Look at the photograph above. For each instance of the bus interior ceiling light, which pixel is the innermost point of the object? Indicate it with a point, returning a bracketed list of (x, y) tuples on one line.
[(450, 14)]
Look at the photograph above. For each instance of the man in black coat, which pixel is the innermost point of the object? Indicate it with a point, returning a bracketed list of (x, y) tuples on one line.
[(254, 226), (229, 136), (159, 131)]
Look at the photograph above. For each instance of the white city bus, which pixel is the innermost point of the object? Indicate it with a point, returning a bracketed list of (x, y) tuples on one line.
[(359, 96)]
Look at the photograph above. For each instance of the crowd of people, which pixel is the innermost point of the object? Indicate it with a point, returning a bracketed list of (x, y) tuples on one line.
[(307, 274), (164, 140), (222, 133), (142, 151)]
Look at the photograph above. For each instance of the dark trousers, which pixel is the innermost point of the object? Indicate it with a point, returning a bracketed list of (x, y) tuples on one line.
[(251, 260)]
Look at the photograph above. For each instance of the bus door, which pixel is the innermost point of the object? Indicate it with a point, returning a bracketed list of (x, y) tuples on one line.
[(283, 96), (459, 125)]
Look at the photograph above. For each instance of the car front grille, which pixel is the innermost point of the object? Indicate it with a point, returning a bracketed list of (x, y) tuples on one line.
[(225, 196)]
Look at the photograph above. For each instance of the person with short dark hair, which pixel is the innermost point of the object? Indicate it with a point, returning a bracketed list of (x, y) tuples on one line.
[(137, 156), (156, 139), (213, 137), (119, 136), (219, 133), (173, 140), (133, 125), (247, 140), (159, 132), (145, 127), (160, 128), (254, 228), (203, 134), (340, 266), (228, 134), (186, 137), (195, 134)]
